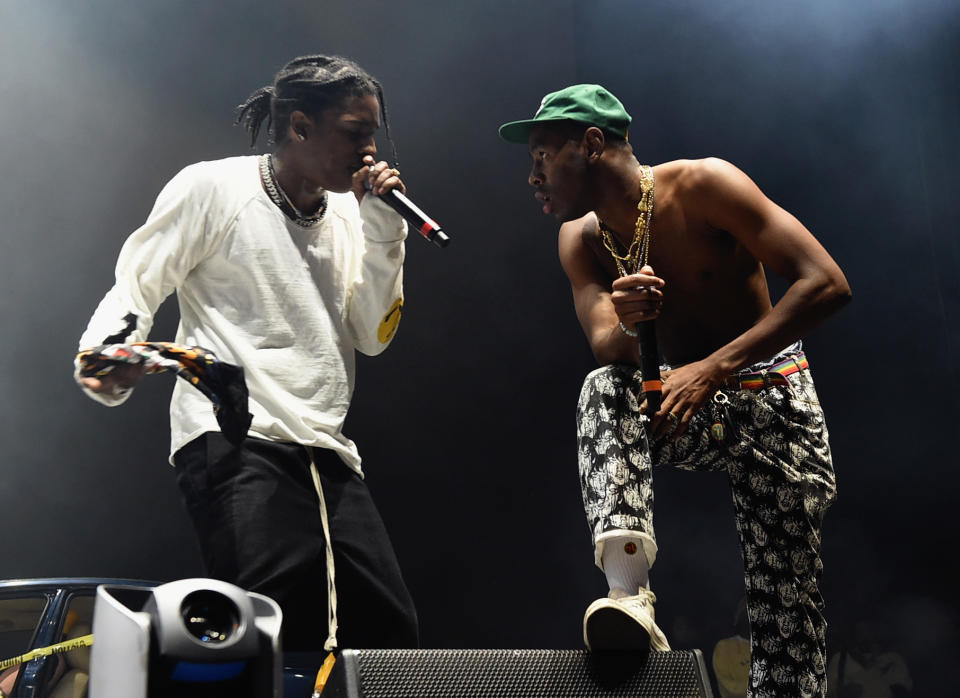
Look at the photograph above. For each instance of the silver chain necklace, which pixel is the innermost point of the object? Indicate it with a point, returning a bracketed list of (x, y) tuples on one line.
[(279, 197)]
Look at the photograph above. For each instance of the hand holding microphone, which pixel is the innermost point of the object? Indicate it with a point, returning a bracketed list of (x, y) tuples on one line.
[(384, 181), (637, 297)]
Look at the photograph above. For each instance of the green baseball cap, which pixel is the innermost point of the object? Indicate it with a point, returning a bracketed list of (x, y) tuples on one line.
[(591, 105)]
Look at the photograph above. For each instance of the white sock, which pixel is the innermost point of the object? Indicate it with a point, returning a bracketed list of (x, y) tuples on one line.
[(625, 564)]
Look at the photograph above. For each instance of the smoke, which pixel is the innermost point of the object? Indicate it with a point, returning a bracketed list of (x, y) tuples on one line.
[(845, 113)]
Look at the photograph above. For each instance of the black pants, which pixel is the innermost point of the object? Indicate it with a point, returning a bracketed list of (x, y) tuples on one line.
[(256, 512)]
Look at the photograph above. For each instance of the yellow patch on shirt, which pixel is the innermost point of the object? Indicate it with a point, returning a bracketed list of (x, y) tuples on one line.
[(388, 326)]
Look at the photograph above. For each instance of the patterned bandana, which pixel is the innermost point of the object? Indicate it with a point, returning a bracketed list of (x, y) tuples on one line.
[(221, 382)]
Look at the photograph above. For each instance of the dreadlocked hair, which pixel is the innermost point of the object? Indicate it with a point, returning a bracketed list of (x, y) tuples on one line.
[(309, 84)]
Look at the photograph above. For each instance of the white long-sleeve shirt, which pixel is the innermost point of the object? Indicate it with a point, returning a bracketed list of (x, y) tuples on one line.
[(289, 304)]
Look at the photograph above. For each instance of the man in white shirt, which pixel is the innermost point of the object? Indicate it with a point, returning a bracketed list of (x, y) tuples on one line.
[(285, 265)]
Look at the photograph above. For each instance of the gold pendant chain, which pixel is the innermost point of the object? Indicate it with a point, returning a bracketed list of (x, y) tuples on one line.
[(639, 251)]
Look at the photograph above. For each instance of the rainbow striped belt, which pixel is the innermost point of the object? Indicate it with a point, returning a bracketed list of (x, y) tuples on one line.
[(773, 375)]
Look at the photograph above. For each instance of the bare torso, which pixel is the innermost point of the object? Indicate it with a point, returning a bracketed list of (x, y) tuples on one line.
[(715, 288)]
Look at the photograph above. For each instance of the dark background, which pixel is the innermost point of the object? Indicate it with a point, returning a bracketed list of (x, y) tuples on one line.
[(847, 114)]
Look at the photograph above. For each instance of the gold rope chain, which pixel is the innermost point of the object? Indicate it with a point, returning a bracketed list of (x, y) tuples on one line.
[(639, 250)]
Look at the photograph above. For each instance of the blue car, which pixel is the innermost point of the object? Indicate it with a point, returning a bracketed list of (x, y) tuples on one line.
[(38, 613)]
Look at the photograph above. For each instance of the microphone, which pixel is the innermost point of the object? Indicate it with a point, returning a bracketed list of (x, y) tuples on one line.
[(649, 365), (428, 227)]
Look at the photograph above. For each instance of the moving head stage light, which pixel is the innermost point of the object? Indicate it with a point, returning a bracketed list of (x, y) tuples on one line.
[(193, 637)]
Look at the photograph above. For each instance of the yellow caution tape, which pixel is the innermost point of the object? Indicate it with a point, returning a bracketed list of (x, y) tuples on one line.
[(59, 648), (324, 674)]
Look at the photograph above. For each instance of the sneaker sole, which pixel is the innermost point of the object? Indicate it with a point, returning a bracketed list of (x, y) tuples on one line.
[(610, 629)]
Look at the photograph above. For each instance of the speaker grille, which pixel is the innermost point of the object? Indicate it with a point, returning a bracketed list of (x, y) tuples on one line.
[(521, 673)]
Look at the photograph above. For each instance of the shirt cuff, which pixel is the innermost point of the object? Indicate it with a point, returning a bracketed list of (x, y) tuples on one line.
[(117, 397)]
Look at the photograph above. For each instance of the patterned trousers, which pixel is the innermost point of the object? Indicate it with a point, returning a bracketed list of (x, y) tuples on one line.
[(772, 443)]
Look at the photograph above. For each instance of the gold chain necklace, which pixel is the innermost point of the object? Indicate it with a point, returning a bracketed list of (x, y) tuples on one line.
[(639, 250)]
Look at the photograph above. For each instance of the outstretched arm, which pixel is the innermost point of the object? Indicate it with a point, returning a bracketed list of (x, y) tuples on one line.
[(152, 263), (726, 199)]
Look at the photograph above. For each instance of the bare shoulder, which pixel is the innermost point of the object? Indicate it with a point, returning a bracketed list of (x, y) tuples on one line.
[(699, 174), (574, 235), (576, 244), (715, 191)]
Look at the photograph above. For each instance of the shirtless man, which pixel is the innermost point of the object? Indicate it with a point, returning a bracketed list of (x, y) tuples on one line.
[(686, 243)]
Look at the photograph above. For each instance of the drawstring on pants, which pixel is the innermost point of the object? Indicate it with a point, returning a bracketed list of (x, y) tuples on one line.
[(331, 642)]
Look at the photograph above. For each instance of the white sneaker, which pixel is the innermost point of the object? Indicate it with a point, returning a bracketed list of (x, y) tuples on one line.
[(623, 622)]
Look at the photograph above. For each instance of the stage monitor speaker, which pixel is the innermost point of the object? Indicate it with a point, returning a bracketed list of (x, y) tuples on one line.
[(517, 674)]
